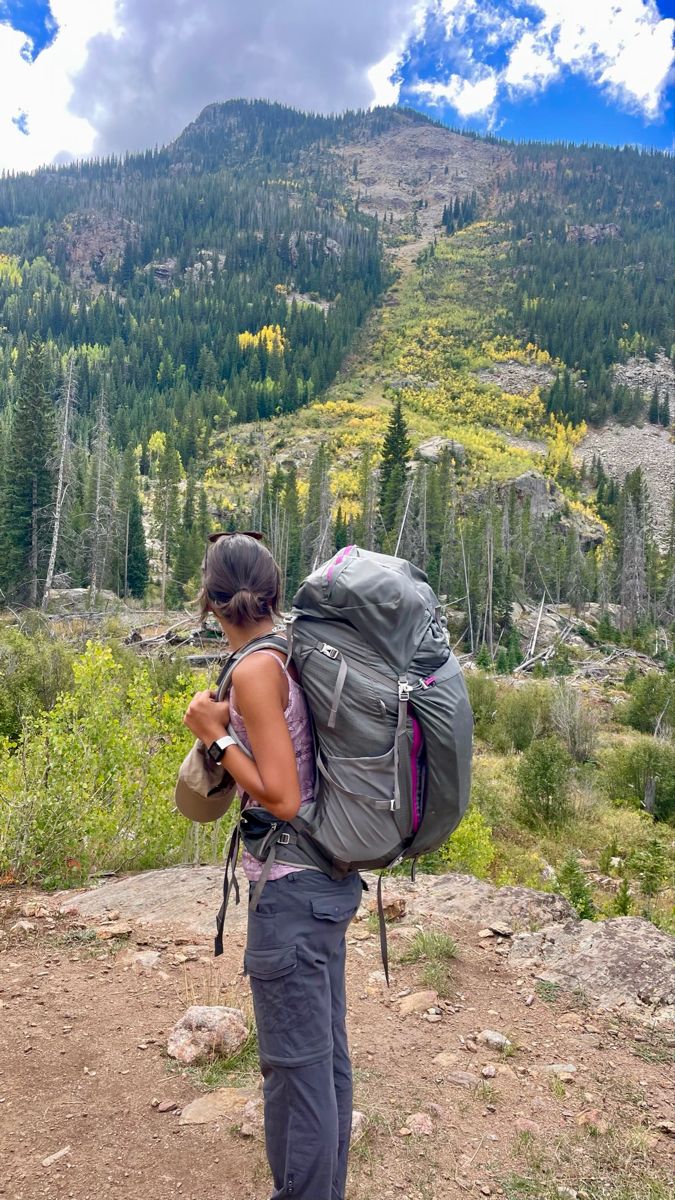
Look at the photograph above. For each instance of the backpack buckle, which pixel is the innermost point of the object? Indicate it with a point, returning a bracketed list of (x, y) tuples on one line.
[(405, 690), (329, 651), (284, 839)]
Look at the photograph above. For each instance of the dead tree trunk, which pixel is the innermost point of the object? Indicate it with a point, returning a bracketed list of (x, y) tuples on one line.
[(68, 397)]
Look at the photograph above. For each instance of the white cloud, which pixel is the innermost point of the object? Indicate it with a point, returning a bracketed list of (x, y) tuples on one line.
[(173, 57), (624, 46), (531, 64), (41, 90), (126, 74), (469, 98)]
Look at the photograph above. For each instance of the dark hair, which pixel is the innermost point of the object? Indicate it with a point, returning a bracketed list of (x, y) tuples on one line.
[(241, 581)]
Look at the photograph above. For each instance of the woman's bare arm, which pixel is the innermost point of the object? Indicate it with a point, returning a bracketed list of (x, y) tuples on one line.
[(271, 777)]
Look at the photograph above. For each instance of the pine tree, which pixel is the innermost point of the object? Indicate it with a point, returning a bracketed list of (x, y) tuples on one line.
[(30, 477), (395, 455), (133, 570), (654, 407)]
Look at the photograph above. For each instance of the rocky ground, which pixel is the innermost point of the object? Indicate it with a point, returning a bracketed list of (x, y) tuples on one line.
[(524, 1077), (622, 448)]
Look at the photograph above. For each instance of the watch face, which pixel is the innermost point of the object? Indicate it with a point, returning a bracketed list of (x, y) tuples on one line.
[(215, 752)]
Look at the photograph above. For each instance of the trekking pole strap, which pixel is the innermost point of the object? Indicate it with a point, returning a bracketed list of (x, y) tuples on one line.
[(229, 883), (384, 951)]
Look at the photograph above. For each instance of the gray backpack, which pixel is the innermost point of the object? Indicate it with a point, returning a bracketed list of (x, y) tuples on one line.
[(391, 717), (391, 714)]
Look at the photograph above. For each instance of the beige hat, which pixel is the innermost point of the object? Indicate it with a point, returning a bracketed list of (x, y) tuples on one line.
[(204, 791)]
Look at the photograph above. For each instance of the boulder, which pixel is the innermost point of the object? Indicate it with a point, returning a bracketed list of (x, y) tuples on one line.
[(207, 1030), (432, 449), (461, 897), (624, 962)]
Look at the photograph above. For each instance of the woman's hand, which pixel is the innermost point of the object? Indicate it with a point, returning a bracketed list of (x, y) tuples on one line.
[(207, 717)]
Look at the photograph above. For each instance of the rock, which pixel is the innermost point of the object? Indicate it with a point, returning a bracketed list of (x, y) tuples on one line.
[(143, 959), (432, 449), (446, 1058), (623, 961), (377, 983), (566, 1193), (359, 1127), (493, 1039), (564, 1071), (114, 929), (252, 1118), (34, 908), (524, 1125), (420, 1123), (461, 897), (225, 1103), (489, 1071), (22, 926), (206, 1030), (417, 1002), (667, 1127), (166, 1106), (548, 503), (593, 234), (593, 1119), (52, 1158), (465, 1079), (394, 907)]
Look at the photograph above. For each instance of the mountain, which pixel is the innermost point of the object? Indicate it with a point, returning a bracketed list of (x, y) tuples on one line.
[(304, 272)]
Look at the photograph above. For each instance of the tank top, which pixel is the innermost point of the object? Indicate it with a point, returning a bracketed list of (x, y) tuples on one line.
[(299, 728)]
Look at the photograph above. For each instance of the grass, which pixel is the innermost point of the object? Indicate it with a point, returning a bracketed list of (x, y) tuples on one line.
[(547, 991), (436, 976), (434, 947), (94, 947), (658, 1049), (611, 1166)]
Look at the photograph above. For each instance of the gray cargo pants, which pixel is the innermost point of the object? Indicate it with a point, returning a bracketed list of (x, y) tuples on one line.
[(295, 958)]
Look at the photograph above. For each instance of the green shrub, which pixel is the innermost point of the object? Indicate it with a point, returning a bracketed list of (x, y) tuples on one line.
[(652, 700), (623, 903), (574, 722), (92, 783), (33, 670), (626, 771), (543, 780), (470, 848), (650, 867), (572, 884), (523, 714), (483, 696)]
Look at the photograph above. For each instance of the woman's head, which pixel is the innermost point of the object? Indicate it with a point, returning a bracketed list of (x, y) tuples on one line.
[(241, 582)]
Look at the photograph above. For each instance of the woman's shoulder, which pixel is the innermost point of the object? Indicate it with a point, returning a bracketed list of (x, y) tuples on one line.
[(256, 666)]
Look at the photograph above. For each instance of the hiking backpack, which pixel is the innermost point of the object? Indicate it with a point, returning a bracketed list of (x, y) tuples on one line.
[(391, 719)]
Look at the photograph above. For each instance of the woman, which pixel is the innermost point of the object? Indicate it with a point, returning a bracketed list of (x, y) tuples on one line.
[(295, 949)]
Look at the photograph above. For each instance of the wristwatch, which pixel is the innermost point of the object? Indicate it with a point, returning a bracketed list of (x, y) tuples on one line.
[(217, 749)]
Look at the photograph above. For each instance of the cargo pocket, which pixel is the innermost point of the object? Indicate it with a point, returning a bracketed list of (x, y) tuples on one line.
[(339, 911), (280, 1011), (359, 824)]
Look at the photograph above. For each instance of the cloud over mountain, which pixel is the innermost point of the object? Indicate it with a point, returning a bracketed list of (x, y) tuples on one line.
[(121, 75), (171, 57)]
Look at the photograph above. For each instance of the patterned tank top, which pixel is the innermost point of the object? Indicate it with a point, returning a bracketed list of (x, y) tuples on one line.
[(297, 719)]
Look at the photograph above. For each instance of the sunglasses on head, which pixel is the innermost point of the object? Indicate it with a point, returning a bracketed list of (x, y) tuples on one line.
[(252, 533)]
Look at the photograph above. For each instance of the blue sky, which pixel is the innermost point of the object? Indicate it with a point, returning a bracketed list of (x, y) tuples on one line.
[(87, 76)]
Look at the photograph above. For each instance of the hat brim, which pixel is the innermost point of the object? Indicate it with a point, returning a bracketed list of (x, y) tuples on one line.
[(203, 809)]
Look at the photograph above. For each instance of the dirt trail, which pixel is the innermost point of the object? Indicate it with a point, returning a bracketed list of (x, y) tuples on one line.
[(82, 1057)]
